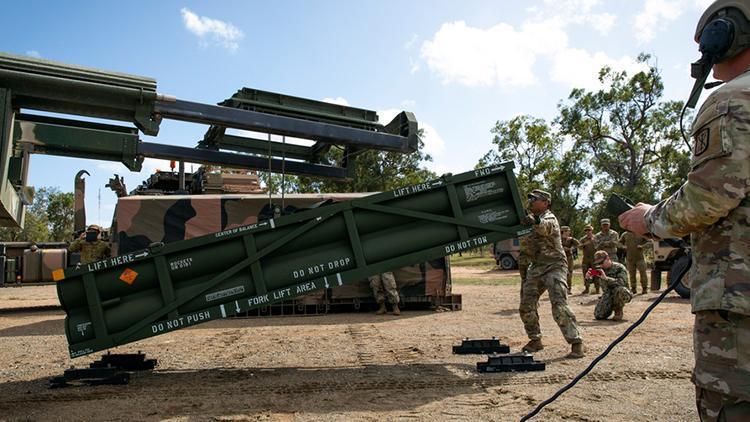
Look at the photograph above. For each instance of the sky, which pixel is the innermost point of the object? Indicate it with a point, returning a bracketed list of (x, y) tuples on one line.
[(458, 66)]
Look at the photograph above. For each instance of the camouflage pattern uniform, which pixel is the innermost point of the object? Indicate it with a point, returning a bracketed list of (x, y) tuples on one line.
[(587, 260), (383, 285), (615, 293), (90, 251), (569, 244), (634, 259), (526, 253), (548, 272), (714, 207), (609, 242)]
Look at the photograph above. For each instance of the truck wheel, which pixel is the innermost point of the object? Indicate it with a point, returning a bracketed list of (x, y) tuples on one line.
[(680, 265), (507, 262), (655, 280)]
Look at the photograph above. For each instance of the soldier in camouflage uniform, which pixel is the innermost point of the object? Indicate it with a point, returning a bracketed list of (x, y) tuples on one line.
[(90, 245), (569, 244), (607, 240), (548, 272), (525, 253), (383, 285), (587, 260), (634, 259), (613, 277), (713, 206)]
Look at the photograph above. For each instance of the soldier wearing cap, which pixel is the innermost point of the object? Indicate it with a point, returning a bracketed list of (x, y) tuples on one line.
[(634, 259), (548, 271), (587, 259), (607, 240), (569, 244), (713, 206), (90, 245), (613, 277)]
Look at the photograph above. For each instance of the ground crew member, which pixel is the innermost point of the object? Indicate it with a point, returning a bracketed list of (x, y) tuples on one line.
[(607, 240), (90, 245), (613, 277), (383, 285), (587, 260), (548, 271), (634, 260), (525, 253), (569, 244), (713, 205)]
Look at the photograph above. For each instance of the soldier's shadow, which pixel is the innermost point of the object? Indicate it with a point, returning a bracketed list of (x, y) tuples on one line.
[(601, 322)]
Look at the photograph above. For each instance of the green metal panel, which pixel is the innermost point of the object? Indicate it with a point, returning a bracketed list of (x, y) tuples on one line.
[(168, 287), (11, 207)]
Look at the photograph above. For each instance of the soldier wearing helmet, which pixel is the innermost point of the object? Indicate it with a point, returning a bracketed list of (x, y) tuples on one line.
[(713, 206), (90, 245)]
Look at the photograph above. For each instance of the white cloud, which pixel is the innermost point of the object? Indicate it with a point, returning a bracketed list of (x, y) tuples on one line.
[(408, 103), (34, 53), (337, 100), (499, 55), (580, 69), (434, 144), (505, 55), (413, 66), (412, 41), (218, 32), (654, 16)]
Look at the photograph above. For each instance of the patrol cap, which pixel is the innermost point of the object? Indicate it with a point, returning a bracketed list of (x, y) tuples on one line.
[(564, 228), (589, 227), (600, 257), (605, 221), (540, 194), (92, 227)]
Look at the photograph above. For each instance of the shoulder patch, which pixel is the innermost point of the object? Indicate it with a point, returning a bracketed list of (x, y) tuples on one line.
[(701, 141)]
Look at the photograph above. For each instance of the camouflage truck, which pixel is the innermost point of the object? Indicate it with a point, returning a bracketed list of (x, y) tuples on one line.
[(152, 215), (506, 253)]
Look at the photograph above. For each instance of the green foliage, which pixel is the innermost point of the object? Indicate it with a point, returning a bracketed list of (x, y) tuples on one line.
[(536, 150), (632, 139), (48, 219), (377, 171)]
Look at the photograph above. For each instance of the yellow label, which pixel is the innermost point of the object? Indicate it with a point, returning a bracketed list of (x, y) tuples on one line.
[(58, 274)]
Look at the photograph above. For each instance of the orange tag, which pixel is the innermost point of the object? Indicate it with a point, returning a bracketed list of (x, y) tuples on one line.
[(128, 276), (58, 274)]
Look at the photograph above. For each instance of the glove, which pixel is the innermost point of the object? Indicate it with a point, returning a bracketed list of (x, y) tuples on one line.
[(530, 220)]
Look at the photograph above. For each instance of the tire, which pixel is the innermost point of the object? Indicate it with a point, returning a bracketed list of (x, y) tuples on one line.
[(507, 262), (680, 265)]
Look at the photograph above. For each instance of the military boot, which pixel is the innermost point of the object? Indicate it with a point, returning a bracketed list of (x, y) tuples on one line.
[(533, 346), (618, 315), (586, 290), (380, 310), (576, 351), (396, 311)]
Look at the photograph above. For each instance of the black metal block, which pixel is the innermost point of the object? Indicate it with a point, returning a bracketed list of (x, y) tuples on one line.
[(125, 361), (510, 363), (480, 347)]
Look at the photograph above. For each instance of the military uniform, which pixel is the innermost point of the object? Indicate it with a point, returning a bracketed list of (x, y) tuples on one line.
[(634, 259), (587, 261), (569, 244), (384, 285), (548, 272), (90, 251), (714, 207), (615, 293), (608, 242), (526, 252)]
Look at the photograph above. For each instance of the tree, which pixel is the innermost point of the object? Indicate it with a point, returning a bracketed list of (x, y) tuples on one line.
[(48, 218), (633, 137), (536, 149)]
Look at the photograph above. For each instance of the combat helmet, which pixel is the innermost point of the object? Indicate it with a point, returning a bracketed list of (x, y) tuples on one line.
[(732, 13)]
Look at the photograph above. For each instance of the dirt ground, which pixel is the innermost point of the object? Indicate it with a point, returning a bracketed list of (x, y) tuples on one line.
[(358, 366)]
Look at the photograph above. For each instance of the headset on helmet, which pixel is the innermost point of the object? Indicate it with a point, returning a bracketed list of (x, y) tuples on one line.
[(722, 32)]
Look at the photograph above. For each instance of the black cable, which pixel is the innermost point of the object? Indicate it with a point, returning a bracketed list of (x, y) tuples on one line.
[(604, 353)]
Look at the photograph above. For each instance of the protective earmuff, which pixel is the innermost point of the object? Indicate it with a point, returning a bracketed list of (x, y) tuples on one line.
[(717, 38)]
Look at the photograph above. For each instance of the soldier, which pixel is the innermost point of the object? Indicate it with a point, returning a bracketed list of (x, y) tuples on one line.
[(613, 277), (90, 245), (713, 206), (634, 260), (569, 244), (587, 261), (548, 272), (525, 253), (383, 285), (607, 240)]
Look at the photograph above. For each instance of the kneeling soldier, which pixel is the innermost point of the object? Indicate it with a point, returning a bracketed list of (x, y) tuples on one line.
[(613, 278)]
